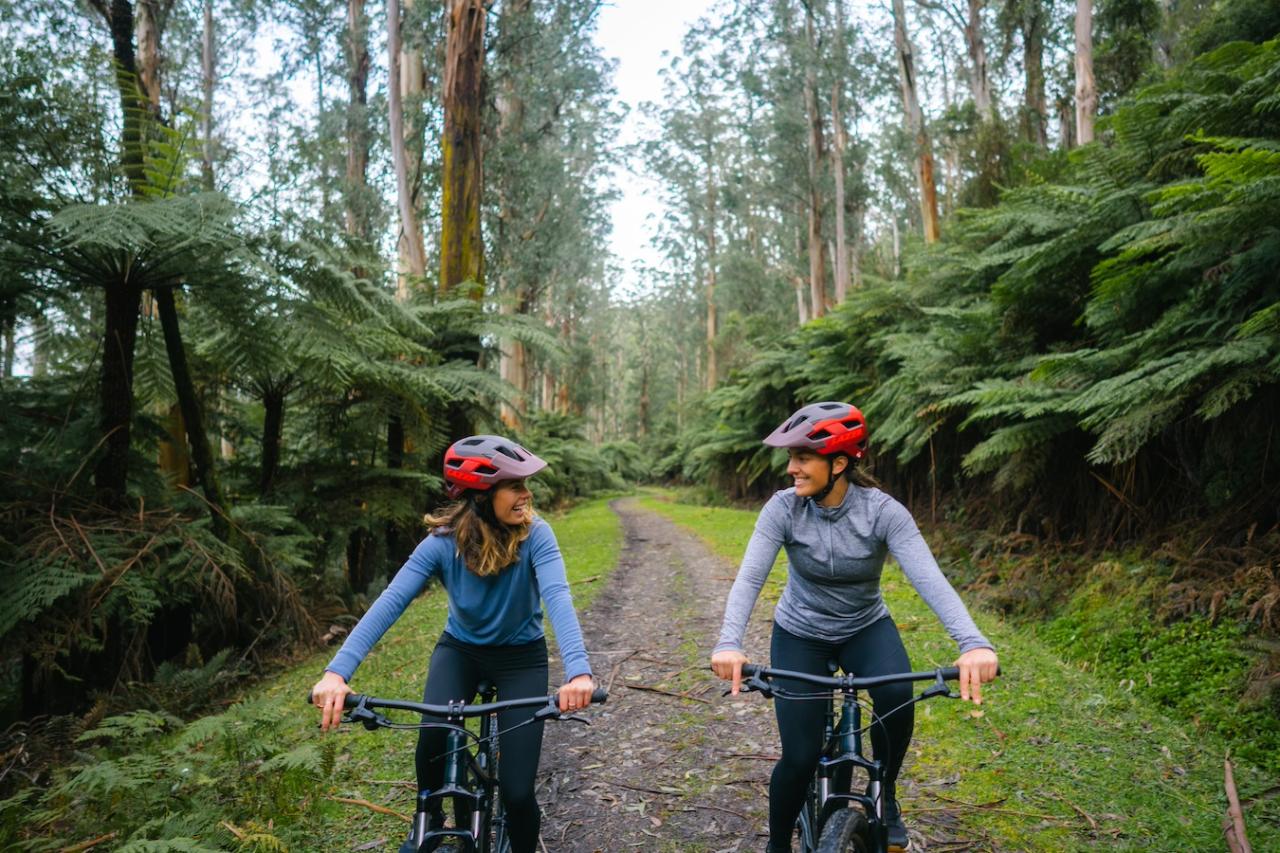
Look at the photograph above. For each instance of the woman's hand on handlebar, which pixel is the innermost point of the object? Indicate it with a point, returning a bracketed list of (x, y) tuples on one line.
[(329, 695), (576, 695), (727, 664), (977, 667)]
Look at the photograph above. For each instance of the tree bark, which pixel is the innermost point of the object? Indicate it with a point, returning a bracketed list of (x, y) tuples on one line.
[(712, 262), (461, 246), (208, 79), (357, 217), (979, 78), (1086, 92), (1034, 124), (817, 249), (837, 167), (512, 289), (409, 243), (192, 416), (915, 124), (148, 34)]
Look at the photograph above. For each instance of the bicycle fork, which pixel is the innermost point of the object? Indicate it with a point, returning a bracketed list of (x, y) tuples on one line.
[(835, 767)]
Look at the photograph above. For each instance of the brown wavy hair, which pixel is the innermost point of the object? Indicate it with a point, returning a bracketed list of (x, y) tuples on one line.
[(486, 545)]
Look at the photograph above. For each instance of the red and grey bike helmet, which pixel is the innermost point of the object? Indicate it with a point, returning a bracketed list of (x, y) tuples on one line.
[(480, 461), (825, 428)]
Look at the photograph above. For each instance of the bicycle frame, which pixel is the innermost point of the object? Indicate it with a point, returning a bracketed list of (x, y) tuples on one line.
[(467, 757), (830, 789)]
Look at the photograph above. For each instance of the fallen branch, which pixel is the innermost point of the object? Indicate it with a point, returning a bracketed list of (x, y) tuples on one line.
[(668, 693), (586, 580), (230, 827), (613, 673), (372, 807), (716, 809), (1233, 823), (93, 842), (986, 807)]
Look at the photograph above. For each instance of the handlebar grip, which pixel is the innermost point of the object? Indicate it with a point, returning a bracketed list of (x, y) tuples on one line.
[(348, 702), (599, 696), (750, 669), (950, 673)]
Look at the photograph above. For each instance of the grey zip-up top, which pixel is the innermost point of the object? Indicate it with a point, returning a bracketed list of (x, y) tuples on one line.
[(835, 556)]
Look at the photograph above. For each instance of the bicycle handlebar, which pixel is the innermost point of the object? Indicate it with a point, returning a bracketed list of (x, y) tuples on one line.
[(849, 682), (455, 710)]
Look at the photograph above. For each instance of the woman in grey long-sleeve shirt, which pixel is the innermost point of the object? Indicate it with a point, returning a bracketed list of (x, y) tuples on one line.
[(837, 529)]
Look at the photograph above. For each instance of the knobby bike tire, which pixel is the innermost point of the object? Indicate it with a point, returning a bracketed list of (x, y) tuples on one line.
[(846, 831)]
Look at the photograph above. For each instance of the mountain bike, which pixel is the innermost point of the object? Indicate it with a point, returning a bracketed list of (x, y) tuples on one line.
[(834, 818), (472, 763)]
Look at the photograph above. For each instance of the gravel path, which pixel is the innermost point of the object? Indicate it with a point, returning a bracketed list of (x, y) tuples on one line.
[(668, 764)]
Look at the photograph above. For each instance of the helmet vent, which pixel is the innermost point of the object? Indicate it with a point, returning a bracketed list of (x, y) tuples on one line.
[(830, 406), (507, 451), (453, 463), (795, 422), (472, 442), (820, 433), (852, 424), (486, 469)]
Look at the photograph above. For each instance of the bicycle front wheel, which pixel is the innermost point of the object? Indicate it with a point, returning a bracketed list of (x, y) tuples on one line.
[(846, 830)]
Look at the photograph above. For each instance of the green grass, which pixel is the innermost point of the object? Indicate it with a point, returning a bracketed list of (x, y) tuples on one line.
[(1051, 741), (260, 776)]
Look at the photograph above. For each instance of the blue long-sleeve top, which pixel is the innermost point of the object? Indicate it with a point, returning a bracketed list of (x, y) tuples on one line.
[(497, 610)]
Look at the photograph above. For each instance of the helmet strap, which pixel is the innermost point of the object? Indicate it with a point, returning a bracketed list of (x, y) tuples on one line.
[(831, 480)]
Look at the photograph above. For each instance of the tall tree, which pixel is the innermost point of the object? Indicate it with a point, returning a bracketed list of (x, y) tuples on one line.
[(1086, 92), (817, 246), (916, 126), (357, 121), (461, 243), (412, 253)]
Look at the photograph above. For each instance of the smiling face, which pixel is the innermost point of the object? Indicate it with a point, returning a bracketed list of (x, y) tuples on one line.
[(810, 471), (512, 502)]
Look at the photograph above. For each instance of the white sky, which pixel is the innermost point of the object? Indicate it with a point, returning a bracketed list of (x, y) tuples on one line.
[(636, 32)]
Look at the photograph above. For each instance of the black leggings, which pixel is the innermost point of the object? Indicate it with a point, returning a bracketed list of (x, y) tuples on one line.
[(875, 650), (457, 668)]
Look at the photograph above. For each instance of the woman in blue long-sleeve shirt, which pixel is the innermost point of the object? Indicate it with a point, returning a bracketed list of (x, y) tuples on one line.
[(498, 563)]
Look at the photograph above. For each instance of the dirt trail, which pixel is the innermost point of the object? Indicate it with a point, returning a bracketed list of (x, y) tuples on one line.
[(669, 765)]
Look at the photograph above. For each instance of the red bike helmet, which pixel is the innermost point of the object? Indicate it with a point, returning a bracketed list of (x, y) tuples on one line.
[(825, 428), (480, 461)]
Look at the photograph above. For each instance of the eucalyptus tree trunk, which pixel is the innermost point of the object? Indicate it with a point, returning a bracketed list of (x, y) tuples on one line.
[(1033, 108), (712, 263), (512, 362), (461, 246), (1086, 92), (817, 249), (837, 167), (979, 79), (357, 219), (208, 79), (915, 124), (123, 296), (412, 253), (147, 24)]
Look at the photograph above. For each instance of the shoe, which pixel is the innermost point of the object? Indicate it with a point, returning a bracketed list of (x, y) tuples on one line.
[(899, 841)]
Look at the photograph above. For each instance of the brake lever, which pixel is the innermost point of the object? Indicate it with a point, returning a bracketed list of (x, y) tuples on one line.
[(939, 688), (364, 716)]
